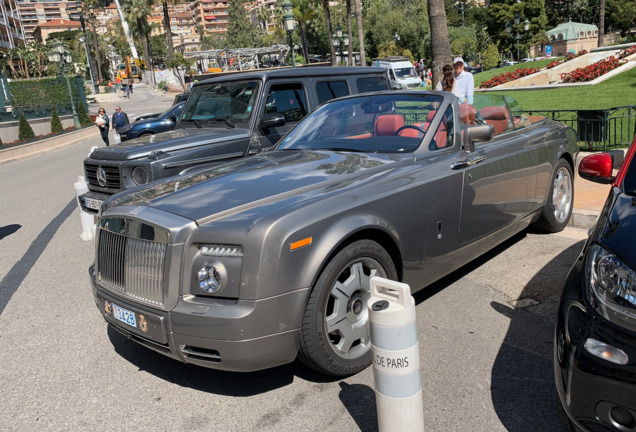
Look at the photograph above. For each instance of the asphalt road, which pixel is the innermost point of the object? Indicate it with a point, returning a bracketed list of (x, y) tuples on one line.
[(486, 364)]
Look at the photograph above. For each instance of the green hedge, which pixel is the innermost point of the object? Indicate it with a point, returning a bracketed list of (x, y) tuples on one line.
[(34, 98)]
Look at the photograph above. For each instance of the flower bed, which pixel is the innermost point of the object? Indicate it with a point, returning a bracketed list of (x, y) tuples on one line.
[(627, 52), (510, 76), (592, 71), (40, 137)]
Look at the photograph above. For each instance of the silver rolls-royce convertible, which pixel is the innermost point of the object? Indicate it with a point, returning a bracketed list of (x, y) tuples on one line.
[(253, 263)]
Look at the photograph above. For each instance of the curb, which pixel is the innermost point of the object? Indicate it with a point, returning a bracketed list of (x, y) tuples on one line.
[(24, 151), (583, 219)]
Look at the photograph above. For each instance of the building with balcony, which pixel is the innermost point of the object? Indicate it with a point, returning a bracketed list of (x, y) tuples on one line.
[(34, 13), (210, 15), (11, 30)]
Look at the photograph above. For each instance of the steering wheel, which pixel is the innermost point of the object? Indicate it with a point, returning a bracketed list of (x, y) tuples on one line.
[(417, 128)]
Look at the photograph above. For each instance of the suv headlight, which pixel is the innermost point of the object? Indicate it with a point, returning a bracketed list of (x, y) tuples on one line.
[(611, 286), (140, 175)]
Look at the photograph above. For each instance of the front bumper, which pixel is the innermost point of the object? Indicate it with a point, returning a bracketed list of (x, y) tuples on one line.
[(219, 336), (596, 395), (91, 202)]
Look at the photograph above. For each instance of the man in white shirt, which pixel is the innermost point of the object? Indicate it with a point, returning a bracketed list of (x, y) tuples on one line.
[(464, 87)]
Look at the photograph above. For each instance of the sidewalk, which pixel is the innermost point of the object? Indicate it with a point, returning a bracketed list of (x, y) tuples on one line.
[(589, 198)]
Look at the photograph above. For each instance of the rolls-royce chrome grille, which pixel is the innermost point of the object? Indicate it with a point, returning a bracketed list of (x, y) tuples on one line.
[(130, 260)]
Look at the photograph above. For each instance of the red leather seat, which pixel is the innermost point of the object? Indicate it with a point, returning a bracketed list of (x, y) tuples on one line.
[(496, 116), (467, 114), (388, 124)]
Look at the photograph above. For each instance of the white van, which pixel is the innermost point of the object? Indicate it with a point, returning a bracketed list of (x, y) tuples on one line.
[(401, 70)]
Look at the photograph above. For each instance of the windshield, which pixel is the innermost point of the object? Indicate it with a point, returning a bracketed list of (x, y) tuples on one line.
[(385, 123), (223, 104), (175, 109), (405, 73)]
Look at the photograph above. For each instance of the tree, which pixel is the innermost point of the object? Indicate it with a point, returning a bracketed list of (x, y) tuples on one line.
[(179, 60), (358, 13), (167, 27), (82, 115), (622, 15), (491, 57), (332, 49), (601, 25), (25, 132), (56, 124), (504, 11), (304, 12), (440, 43), (240, 31)]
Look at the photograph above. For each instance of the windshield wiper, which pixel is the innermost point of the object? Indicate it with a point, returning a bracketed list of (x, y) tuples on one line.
[(228, 122)]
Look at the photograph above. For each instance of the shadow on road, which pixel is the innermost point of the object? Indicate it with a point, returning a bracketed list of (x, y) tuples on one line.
[(7, 230), (522, 383), (236, 384)]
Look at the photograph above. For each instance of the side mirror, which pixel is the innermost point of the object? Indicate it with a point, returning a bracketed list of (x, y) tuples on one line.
[(478, 133), (597, 168), (272, 120)]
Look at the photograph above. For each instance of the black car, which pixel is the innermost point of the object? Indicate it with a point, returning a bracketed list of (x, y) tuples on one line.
[(165, 121), (595, 336)]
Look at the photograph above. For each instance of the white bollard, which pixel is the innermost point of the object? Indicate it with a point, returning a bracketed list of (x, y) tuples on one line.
[(92, 150), (396, 357), (88, 220)]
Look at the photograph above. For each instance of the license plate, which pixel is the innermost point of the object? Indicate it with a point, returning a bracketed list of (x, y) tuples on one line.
[(124, 315), (92, 203)]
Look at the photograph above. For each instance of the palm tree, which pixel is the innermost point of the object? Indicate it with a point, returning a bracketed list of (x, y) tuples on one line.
[(358, 12), (601, 26), (167, 26), (263, 15), (332, 48), (350, 34), (440, 42), (304, 12), (21, 52), (136, 12), (39, 51)]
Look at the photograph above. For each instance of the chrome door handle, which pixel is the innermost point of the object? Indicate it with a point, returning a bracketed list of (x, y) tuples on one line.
[(468, 162)]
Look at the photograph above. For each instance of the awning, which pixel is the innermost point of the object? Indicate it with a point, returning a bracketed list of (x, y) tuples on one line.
[(210, 17)]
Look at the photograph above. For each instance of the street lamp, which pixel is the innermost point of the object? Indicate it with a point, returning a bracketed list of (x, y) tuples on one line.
[(80, 15), (518, 36), (60, 55), (290, 26), (339, 40)]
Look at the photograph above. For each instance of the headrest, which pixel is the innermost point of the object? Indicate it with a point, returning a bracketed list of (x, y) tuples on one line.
[(467, 114), (494, 113), (431, 114), (388, 124)]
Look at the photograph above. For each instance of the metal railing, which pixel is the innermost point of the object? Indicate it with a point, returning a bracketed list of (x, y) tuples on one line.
[(597, 130)]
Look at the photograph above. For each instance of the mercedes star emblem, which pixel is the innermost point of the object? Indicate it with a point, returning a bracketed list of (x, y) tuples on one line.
[(101, 177)]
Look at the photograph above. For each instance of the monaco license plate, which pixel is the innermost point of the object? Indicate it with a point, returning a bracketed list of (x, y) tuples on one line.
[(124, 315), (92, 203)]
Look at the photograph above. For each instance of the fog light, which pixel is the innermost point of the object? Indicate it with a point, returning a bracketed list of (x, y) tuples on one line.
[(606, 352), (209, 279)]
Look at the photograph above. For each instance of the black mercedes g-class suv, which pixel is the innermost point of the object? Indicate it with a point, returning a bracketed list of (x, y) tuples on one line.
[(232, 116)]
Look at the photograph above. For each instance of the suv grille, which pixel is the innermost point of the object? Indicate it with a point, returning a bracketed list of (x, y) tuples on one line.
[(111, 172), (128, 265)]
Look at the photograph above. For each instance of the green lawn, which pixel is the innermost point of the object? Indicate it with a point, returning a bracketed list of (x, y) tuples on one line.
[(615, 92), (486, 75)]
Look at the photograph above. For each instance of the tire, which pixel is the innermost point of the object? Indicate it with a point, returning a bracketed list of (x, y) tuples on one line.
[(558, 208), (335, 336)]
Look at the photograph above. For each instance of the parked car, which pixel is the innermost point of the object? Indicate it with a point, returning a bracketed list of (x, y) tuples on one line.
[(509, 62), (147, 116), (595, 336), (474, 69), (228, 117), (181, 97), (249, 264), (166, 121)]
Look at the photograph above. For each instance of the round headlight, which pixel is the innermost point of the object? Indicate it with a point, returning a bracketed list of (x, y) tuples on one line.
[(209, 279), (140, 175)]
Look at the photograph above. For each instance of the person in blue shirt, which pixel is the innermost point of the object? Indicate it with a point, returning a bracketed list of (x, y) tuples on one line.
[(120, 119)]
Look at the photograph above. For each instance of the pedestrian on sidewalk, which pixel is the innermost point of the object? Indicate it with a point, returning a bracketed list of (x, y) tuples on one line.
[(131, 81), (102, 123), (120, 119)]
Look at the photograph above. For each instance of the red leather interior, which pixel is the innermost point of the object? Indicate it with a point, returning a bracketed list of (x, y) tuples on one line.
[(467, 114), (388, 124), (496, 116)]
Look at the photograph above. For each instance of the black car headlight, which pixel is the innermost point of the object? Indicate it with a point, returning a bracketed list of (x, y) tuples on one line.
[(140, 175), (216, 270), (611, 287)]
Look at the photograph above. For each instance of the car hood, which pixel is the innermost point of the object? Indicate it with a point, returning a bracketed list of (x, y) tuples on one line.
[(179, 139), (619, 229), (257, 181)]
